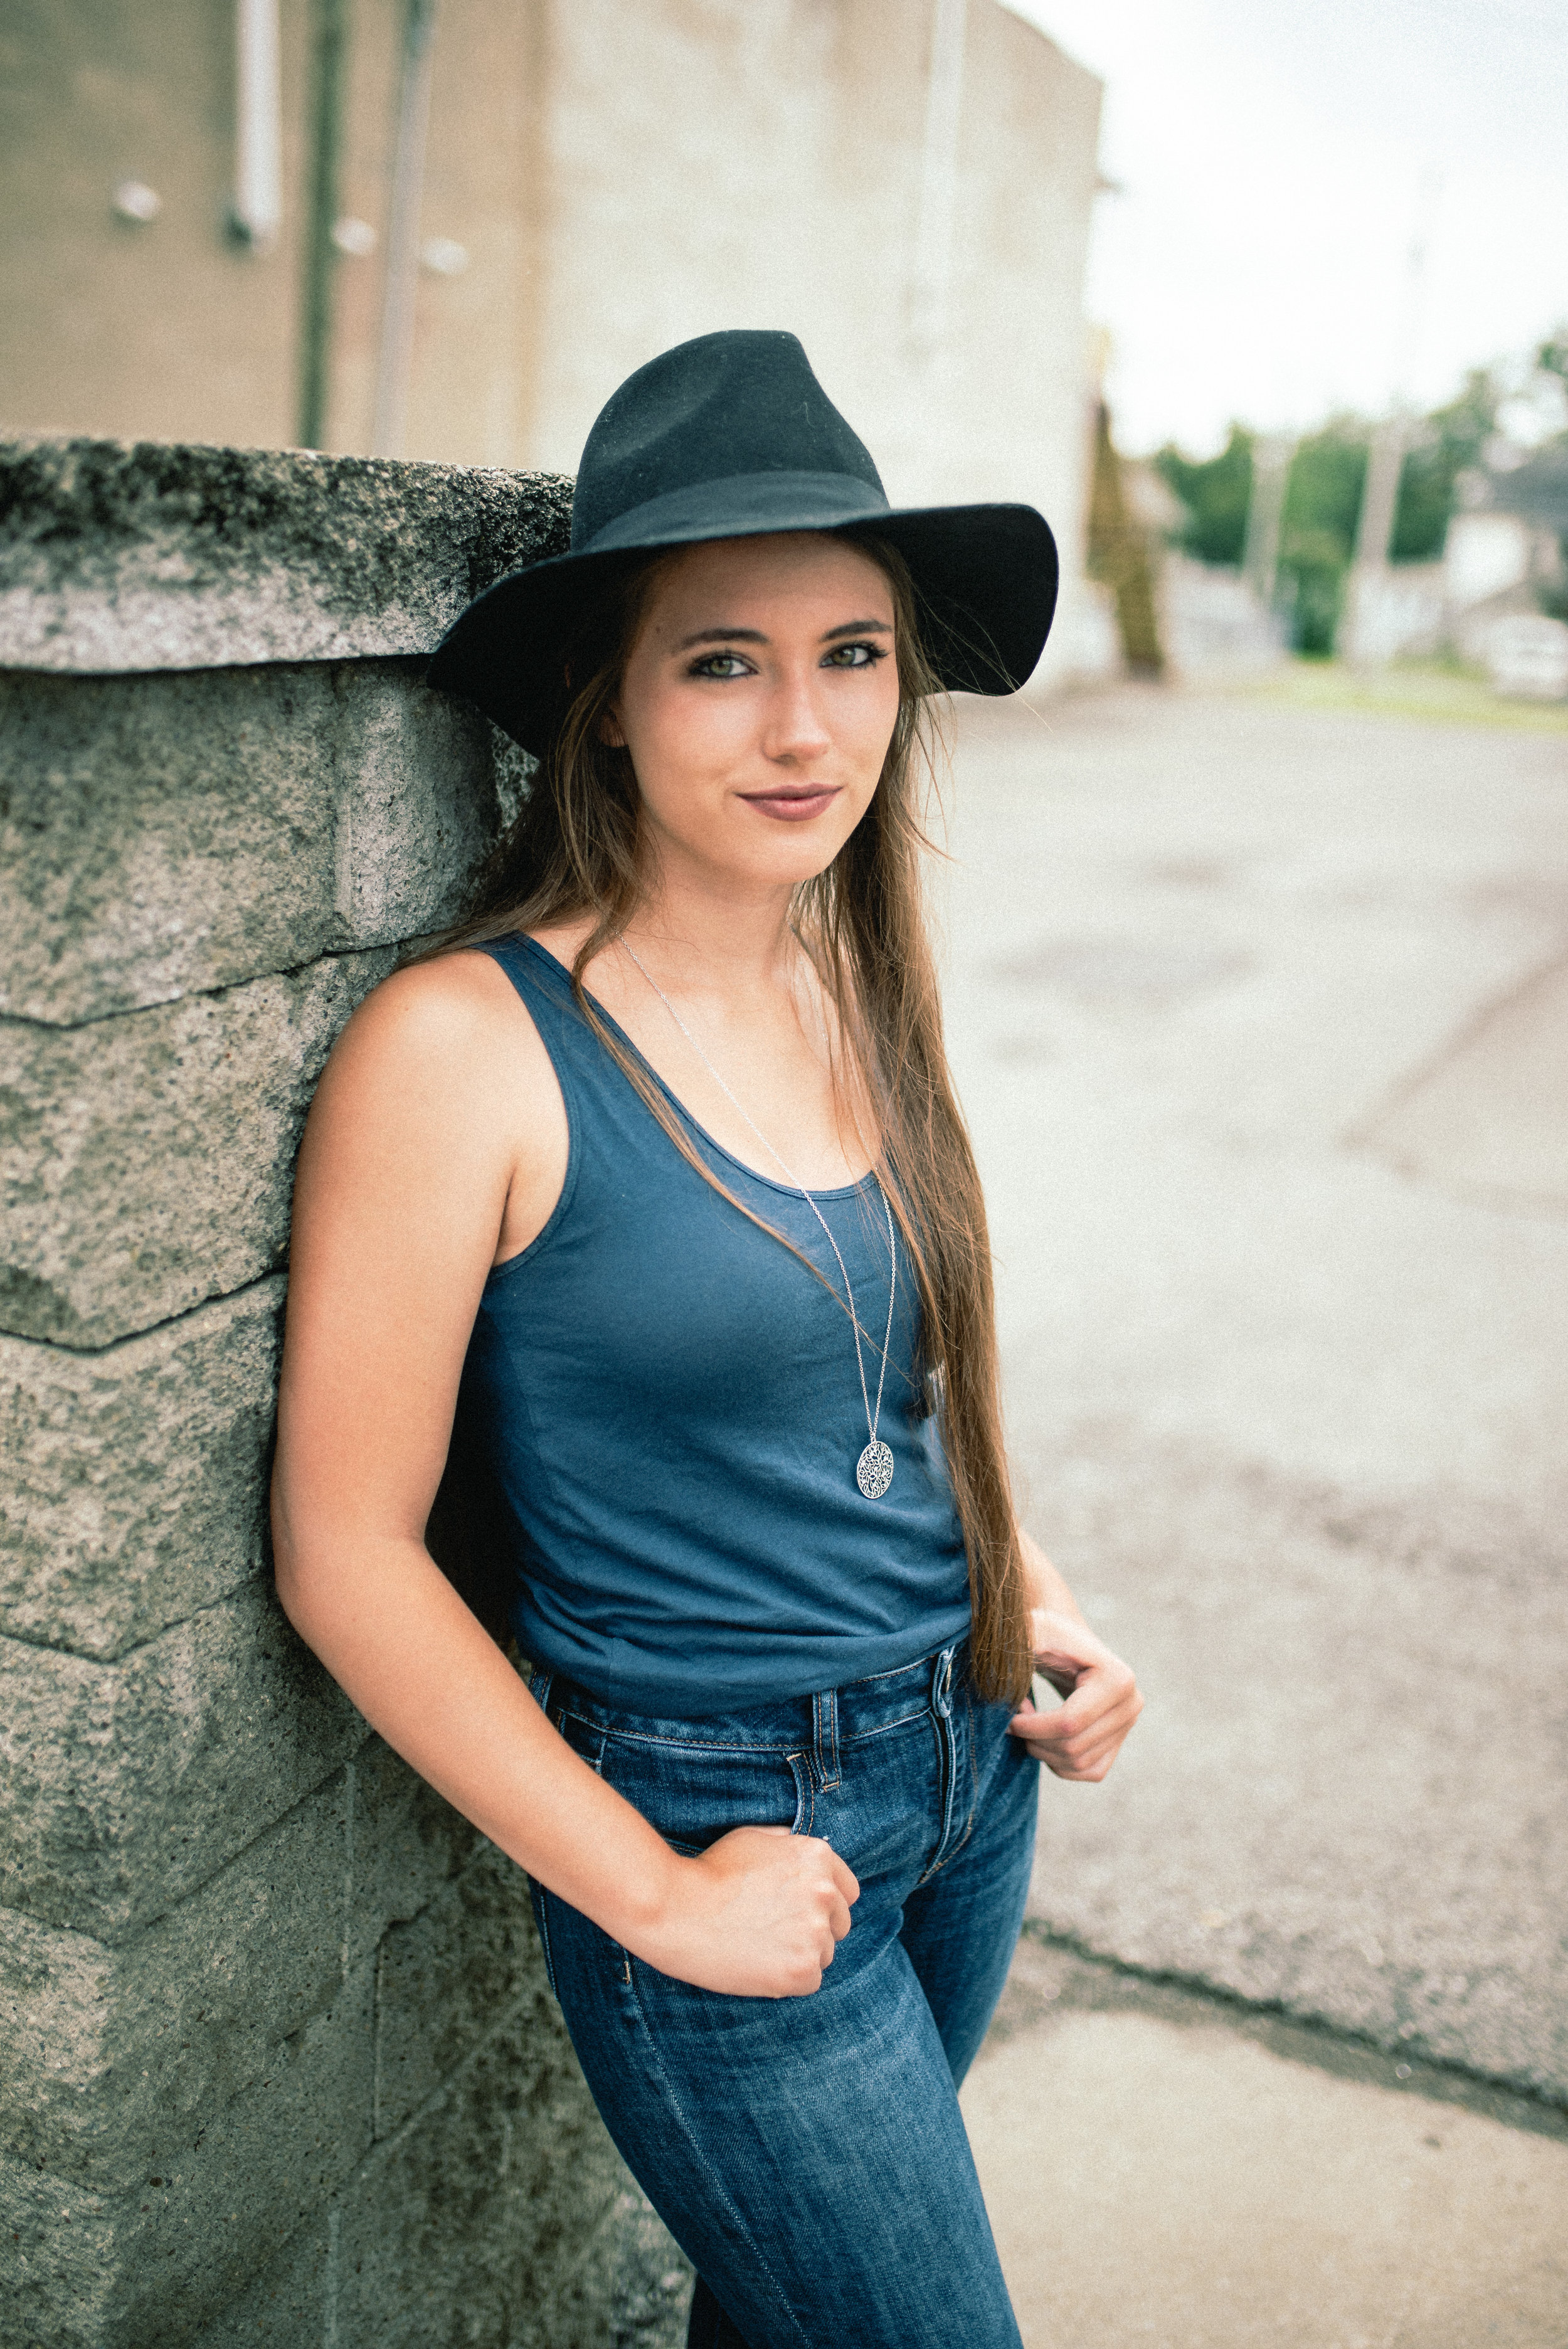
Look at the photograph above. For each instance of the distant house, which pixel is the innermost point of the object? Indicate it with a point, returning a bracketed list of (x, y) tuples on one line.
[(1505, 570), (1507, 546)]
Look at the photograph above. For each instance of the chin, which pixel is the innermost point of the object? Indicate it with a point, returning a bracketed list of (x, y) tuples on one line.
[(797, 860), (805, 849)]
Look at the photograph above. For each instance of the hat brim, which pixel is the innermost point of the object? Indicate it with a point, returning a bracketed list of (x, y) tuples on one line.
[(986, 579)]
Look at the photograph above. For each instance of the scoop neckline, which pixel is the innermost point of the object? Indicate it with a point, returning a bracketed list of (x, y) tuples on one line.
[(787, 1190)]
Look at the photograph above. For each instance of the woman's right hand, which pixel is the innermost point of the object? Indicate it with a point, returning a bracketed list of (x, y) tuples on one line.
[(758, 1915)]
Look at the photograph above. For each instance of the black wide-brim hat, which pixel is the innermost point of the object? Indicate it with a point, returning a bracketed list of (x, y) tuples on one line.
[(732, 436)]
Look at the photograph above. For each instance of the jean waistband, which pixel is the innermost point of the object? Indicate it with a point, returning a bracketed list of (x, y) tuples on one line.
[(827, 1718)]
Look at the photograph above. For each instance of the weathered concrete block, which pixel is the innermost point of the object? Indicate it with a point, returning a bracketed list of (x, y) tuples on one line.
[(60, 2272), (290, 2302), (108, 2051), (642, 2278), (146, 2266), (405, 1843), (442, 1979), (166, 836), (149, 555), (475, 2222), (487, 2218), (135, 1479), (110, 2054), (149, 1157), (236, 1920), (56, 1992), (123, 1787), (624, 2285)]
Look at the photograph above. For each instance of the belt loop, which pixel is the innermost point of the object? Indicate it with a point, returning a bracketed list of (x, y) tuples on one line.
[(825, 1728), (538, 1688), (942, 1684)]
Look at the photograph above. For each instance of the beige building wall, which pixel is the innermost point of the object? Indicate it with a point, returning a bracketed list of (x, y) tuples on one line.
[(475, 335), (167, 331), (782, 188), (620, 173)]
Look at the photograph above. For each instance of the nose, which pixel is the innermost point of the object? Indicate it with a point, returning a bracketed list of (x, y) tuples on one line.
[(795, 733)]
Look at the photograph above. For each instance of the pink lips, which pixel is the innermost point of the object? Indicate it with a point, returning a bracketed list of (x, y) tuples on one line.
[(790, 807)]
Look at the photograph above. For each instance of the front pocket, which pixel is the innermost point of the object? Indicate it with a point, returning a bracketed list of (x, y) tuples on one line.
[(692, 1794)]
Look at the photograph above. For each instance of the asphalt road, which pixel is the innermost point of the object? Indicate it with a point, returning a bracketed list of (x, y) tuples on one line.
[(1257, 1019)]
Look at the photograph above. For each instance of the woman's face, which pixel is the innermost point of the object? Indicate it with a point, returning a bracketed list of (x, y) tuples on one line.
[(758, 704)]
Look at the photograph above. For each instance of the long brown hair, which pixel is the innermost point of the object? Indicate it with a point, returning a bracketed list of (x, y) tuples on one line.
[(576, 849)]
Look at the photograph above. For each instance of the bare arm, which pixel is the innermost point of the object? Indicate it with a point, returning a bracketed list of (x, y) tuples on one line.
[(1083, 1737), (437, 1134)]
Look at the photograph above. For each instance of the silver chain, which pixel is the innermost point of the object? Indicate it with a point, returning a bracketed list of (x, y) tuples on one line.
[(872, 1417)]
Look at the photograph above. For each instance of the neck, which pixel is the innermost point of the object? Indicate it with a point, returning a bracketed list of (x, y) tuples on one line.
[(737, 941)]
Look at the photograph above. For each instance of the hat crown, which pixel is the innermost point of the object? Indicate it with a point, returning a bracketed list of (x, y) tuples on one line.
[(741, 402)]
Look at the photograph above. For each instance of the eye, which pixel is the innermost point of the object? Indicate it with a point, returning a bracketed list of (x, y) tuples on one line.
[(854, 655), (720, 666)]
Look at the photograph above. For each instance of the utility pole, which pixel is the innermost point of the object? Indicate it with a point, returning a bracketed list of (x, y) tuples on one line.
[(934, 219), (1366, 626), (1272, 455), (397, 352)]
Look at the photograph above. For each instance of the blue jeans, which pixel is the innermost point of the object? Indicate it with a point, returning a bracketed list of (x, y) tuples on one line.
[(809, 2154)]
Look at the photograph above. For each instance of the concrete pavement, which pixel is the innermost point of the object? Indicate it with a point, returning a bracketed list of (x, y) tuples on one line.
[(1288, 1389), (1163, 2170)]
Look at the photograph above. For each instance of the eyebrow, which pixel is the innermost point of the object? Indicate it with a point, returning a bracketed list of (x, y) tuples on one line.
[(755, 637)]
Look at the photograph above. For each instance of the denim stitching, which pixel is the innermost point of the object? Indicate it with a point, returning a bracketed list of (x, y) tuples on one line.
[(863, 1736), (940, 1707), (597, 1762), (973, 1789), (692, 2140), (944, 1733), (714, 1745), (676, 1744), (541, 1921), (825, 1715), (891, 1673), (805, 1795), (745, 1745)]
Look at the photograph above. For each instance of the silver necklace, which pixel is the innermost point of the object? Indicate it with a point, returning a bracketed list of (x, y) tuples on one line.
[(873, 1469)]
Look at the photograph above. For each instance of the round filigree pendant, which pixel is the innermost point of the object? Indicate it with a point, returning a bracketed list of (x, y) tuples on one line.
[(873, 1470)]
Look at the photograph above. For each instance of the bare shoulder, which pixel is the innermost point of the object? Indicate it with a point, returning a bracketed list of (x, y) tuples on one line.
[(438, 1106), (449, 1027)]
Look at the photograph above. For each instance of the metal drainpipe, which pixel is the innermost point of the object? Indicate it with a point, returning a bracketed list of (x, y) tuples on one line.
[(403, 235), (938, 177), (321, 255), (258, 208)]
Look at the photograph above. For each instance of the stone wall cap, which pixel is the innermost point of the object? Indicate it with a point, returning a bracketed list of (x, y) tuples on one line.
[(143, 555)]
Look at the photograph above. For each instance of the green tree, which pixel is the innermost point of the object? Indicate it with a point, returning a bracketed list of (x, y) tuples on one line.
[(1323, 499), (1443, 445), (1216, 492), (1317, 530)]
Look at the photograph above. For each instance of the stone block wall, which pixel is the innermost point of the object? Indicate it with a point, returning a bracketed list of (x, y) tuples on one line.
[(277, 2059)]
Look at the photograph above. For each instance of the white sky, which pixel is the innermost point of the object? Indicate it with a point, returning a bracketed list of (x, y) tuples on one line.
[(1273, 155)]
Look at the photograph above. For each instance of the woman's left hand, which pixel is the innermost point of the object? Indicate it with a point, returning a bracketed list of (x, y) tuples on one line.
[(1082, 1738)]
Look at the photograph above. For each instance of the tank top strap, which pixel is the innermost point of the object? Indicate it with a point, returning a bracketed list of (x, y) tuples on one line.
[(611, 1127), (579, 1058), (538, 976)]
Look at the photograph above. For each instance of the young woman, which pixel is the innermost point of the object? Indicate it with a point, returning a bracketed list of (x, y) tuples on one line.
[(645, 1210)]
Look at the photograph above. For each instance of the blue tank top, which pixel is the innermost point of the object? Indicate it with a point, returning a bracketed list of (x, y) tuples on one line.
[(665, 1409)]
